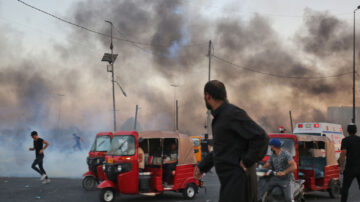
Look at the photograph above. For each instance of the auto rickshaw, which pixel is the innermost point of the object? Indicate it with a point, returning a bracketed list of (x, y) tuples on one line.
[(125, 177), (197, 147), (315, 159), (318, 164), (95, 160)]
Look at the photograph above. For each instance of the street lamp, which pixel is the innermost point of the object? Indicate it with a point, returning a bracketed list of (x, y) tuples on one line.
[(354, 110), (110, 58)]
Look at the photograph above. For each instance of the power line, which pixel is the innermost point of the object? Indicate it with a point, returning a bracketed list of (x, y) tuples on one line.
[(100, 33), (277, 75)]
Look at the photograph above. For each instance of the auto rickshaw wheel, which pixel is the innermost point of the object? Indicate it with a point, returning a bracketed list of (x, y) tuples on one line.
[(334, 189), (108, 195), (89, 183), (190, 191)]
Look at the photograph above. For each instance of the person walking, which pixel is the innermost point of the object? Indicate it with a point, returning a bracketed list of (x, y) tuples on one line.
[(39, 154), (350, 150), (238, 143)]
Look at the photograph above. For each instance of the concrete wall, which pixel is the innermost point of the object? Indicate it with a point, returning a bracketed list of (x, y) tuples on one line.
[(343, 115)]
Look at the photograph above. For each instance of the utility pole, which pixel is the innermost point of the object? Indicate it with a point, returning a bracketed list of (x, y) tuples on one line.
[(177, 116), (136, 113), (175, 107), (354, 69), (112, 72), (291, 122), (59, 115), (209, 54), (208, 119)]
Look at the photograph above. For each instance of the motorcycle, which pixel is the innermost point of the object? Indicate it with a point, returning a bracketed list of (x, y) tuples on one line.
[(275, 193)]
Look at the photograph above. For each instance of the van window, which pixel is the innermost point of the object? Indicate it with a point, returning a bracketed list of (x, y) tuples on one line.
[(315, 134)]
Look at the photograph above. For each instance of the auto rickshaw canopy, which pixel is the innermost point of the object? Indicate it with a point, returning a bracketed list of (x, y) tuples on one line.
[(185, 144), (329, 146)]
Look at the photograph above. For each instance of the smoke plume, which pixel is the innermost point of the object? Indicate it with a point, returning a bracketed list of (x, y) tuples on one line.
[(66, 89)]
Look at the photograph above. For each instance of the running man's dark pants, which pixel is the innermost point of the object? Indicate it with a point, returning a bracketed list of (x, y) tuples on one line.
[(38, 161), (349, 175)]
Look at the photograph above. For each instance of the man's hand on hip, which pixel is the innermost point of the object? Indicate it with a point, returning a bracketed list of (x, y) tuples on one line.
[(243, 166)]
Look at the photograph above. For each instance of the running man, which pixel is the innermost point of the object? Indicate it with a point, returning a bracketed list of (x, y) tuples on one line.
[(39, 153), (78, 141)]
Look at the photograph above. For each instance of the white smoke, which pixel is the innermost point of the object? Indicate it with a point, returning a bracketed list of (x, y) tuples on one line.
[(61, 160)]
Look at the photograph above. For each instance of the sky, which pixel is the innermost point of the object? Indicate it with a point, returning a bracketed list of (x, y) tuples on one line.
[(35, 35)]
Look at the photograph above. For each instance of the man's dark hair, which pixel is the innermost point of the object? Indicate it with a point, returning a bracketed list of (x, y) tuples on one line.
[(206, 136), (351, 129), (34, 133), (216, 89)]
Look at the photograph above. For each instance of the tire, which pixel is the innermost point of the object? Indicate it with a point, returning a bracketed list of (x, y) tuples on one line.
[(334, 189), (190, 191), (89, 183), (108, 195)]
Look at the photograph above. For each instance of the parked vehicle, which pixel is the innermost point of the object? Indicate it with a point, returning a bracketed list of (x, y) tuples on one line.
[(316, 161), (122, 166), (95, 160), (197, 147), (275, 193)]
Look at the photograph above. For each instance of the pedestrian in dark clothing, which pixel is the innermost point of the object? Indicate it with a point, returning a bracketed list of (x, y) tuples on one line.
[(350, 150), (205, 146), (238, 143), (39, 154)]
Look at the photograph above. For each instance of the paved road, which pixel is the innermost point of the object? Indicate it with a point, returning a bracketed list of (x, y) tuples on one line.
[(70, 190)]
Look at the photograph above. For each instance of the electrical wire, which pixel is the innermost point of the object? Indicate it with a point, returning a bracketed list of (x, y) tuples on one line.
[(277, 75), (137, 44), (103, 34)]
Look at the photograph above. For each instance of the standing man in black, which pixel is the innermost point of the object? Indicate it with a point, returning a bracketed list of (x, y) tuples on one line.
[(350, 149), (237, 145), (205, 146), (39, 154)]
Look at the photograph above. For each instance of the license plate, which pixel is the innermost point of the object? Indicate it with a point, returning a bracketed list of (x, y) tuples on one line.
[(111, 160)]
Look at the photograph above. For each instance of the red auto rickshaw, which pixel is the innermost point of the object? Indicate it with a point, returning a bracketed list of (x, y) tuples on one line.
[(95, 160), (316, 161), (122, 166)]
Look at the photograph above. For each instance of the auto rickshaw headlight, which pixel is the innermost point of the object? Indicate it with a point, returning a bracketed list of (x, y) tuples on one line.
[(119, 168), (104, 167), (97, 161)]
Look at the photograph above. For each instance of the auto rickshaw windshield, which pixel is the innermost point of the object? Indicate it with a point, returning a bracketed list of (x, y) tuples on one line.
[(287, 144), (196, 141), (123, 145), (101, 143)]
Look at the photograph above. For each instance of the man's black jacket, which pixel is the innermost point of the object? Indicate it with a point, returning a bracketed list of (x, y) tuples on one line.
[(236, 137)]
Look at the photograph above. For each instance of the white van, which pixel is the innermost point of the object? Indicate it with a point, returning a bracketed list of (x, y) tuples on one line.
[(333, 131)]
